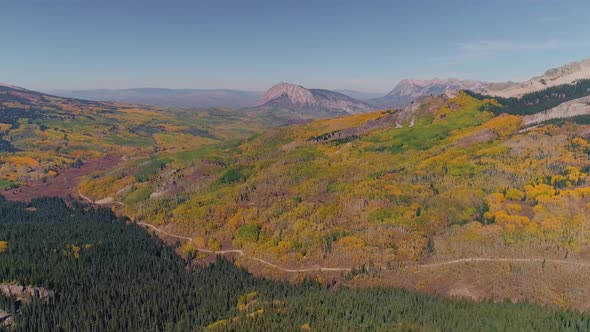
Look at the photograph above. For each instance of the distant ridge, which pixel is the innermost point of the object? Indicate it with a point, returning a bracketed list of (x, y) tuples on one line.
[(181, 98), (408, 90), (566, 74), (14, 87)]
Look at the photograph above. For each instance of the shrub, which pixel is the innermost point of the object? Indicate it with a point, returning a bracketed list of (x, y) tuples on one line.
[(514, 194), (232, 174), (249, 232)]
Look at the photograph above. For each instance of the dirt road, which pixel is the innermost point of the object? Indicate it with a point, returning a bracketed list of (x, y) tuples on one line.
[(242, 254)]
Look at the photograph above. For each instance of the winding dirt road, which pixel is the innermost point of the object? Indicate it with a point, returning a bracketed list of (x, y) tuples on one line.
[(241, 253), (347, 269), (86, 198), (507, 260), (104, 201), (238, 252)]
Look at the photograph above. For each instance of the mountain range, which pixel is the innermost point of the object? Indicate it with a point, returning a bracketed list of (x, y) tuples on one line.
[(566, 74), (324, 102), (191, 98), (408, 90)]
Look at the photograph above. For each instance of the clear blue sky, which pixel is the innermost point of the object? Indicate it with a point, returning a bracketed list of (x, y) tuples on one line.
[(252, 44)]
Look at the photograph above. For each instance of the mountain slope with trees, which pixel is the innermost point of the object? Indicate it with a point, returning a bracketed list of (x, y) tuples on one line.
[(109, 275), (445, 183)]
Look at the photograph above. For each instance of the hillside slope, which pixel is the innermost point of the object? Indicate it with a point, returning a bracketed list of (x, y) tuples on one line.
[(384, 190), (375, 190)]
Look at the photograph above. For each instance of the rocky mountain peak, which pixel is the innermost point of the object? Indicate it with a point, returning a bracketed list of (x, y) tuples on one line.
[(296, 94), (570, 68), (310, 103), (566, 74)]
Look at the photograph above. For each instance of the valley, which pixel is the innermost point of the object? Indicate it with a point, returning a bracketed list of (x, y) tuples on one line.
[(176, 166), (457, 194)]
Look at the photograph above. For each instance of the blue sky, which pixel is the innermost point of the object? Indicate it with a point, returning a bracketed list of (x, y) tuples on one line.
[(252, 44)]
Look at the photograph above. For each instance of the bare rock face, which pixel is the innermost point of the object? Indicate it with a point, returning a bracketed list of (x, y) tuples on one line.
[(25, 293), (296, 94), (572, 108), (310, 102), (567, 74)]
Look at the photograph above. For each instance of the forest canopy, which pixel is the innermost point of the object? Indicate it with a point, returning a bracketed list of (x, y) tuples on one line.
[(108, 274), (535, 102)]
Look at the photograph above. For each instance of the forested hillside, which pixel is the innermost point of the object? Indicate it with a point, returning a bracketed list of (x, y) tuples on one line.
[(110, 275), (535, 102), (380, 196), (450, 181)]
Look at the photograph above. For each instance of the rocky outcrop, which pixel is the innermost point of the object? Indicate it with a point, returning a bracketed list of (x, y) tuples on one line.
[(567, 74), (25, 293), (296, 95), (310, 102), (21, 294), (6, 319), (576, 107)]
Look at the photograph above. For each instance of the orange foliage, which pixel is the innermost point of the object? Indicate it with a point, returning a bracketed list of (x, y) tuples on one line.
[(504, 125), (23, 160)]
